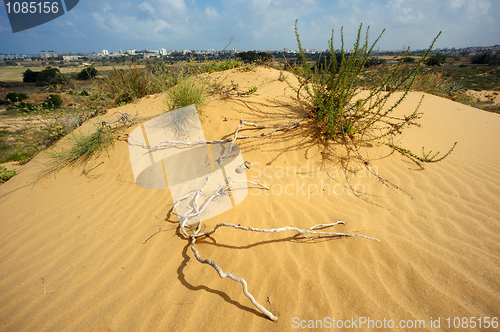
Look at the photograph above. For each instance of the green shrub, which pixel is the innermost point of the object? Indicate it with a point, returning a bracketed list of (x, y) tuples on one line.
[(49, 75), (332, 96), (187, 92), (257, 57), (5, 174), (87, 73), (486, 58), (408, 59), (124, 86), (439, 84), (374, 62), (218, 65), (52, 102), (83, 148), (14, 97), (436, 60), (330, 93)]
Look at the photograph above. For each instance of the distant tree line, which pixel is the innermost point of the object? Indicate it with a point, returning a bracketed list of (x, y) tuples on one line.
[(255, 57), (51, 75), (486, 58)]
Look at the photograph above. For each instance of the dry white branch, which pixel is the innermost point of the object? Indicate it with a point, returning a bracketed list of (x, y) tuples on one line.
[(242, 281), (166, 144), (197, 207), (124, 117), (223, 274)]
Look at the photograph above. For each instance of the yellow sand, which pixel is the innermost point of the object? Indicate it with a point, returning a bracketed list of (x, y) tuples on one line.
[(83, 253)]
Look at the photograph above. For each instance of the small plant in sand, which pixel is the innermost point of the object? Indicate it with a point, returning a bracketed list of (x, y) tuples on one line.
[(331, 94), (83, 148), (187, 92)]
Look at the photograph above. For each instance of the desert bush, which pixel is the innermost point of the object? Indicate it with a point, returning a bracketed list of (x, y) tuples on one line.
[(218, 65), (330, 93), (486, 58), (5, 174), (439, 84), (14, 97), (124, 86), (332, 97), (255, 57), (49, 75), (436, 60), (87, 73), (374, 62), (83, 148), (52, 102), (408, 59)]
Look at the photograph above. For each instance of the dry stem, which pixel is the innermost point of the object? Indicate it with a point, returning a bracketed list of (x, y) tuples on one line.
[(197, 208)]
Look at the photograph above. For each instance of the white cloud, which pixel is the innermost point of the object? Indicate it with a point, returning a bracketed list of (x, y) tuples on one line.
[(260, 24), (211, 12), (147, 7)]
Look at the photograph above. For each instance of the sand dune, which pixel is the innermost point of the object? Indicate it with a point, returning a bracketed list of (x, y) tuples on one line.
[(84, 253)]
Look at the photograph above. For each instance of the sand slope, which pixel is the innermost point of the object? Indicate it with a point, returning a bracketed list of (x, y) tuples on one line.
[(83, 253)]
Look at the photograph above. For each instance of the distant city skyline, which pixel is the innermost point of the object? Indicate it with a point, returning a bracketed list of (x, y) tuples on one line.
[(256, 25)]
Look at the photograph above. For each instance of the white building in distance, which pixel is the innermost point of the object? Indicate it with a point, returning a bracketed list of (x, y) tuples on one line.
[(48, 54)]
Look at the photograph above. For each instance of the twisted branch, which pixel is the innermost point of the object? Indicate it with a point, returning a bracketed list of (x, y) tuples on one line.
[(197, 208)]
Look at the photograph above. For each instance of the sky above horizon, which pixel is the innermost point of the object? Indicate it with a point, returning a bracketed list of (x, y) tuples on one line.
[(94, 25)]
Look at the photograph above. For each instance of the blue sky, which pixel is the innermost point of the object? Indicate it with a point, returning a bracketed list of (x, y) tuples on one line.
[(94, 25)]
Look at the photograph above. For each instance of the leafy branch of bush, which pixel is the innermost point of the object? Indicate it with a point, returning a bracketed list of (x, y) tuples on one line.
[(427, 157), (331, 94), (330, 88), (250, 91), (5, 174)]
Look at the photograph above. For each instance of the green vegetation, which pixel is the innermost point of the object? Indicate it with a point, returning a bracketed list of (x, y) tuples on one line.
[(5, 174), (123, 86), (215, 66), (51, 102), (330, 91), (88, 73), (251, 90), (255, 57), (187, 92), (474, 77), (49, 75), (14, 97), (83, 148), (339, 112), (436, 60), (487, 58)]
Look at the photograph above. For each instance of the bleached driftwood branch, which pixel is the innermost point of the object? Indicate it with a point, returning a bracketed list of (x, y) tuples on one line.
[(166, 144), (197, 208)]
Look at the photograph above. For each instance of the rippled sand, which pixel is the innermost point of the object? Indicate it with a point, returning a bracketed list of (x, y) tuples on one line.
[(84, 253)]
